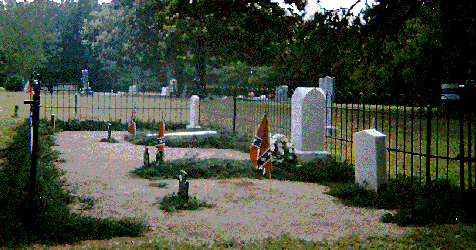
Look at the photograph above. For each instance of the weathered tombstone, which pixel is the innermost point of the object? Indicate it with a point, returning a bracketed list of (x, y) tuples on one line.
[(159, 157), (370, 159), (194, 112), (109, 131), (327, 85), (282, 93), (146, 157), (53, 121), (15, 113), (308, 112), (183, 186), (133, 89)]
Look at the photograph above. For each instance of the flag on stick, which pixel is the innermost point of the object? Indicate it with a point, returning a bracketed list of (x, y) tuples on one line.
[(262, 161), (131, 128), (161, 139)]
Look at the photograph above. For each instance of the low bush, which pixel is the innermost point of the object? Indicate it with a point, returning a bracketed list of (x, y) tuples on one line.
[(110, 140), (14, 83), (173, 202), (222, 140), (198, 169)]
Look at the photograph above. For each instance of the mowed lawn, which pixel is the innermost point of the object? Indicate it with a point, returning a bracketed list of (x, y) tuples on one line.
[(8, 100)]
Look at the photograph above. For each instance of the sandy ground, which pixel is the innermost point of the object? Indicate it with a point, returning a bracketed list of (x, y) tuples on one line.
[(245, 208)]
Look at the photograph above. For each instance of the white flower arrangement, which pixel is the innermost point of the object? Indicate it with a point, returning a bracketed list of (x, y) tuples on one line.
[(282, 150)]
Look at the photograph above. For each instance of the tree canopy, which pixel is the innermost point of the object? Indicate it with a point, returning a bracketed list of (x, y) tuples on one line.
[(410, 47)]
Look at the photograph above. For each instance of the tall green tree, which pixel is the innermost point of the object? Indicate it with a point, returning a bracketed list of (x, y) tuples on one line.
[(22, 36)]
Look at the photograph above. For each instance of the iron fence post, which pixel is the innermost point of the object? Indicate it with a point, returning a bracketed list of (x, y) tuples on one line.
[(35, 115), (461, 147), (428, 144), (234, 110)]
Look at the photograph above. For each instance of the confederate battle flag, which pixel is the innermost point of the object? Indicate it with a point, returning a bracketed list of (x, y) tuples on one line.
[(161, 139), (131, 128), (261, 143)]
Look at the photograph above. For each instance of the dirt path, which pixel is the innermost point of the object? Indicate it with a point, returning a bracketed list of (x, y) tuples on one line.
[(245, 208)]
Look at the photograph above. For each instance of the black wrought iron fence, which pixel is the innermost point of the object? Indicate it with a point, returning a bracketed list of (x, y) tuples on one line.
[(67, 103), (240, 109), (423, 142)]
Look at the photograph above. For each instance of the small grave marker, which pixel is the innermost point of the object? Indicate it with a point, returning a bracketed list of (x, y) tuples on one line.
[(15, 113), (53, 120), (370, 159), (183, 186), (146, 157), (109, 131)]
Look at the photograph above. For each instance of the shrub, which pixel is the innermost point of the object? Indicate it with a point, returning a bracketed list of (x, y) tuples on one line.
[(173, 202), (14, 83), (198, 169)]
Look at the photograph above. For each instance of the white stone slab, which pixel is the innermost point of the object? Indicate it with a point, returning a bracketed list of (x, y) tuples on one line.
[(185, 134), (370, 159)]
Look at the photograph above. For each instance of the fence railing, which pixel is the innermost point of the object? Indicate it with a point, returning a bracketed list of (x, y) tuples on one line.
[(240, 109), (423, 142), (108, 106)]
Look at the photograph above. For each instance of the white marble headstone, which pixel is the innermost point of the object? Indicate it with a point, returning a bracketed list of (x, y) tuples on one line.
[(327, 85), (370, 159), (194, 111), (307, 119)]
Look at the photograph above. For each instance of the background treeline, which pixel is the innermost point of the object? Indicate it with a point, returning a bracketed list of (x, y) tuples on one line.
[(394, 46)]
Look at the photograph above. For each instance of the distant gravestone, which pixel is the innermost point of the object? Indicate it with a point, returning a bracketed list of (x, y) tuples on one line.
[(282, 93), (194, 112), (327, 85), (308, 107), (133, 89), (370, 159), (164, 91)]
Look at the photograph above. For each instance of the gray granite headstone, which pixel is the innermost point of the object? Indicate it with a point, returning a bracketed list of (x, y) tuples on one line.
[(282, 93)]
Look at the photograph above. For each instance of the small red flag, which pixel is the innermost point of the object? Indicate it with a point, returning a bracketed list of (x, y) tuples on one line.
[(262, 142), (131, 128), (161, 138)]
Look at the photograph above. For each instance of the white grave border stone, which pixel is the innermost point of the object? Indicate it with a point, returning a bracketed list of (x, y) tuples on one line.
[(194, 112), (370, 157), (308, 112)]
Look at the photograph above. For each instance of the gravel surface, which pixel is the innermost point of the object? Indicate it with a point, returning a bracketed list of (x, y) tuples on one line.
[(245, 208)]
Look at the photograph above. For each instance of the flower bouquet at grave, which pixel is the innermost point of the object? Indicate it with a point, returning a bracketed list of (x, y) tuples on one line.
[(282, 151)]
